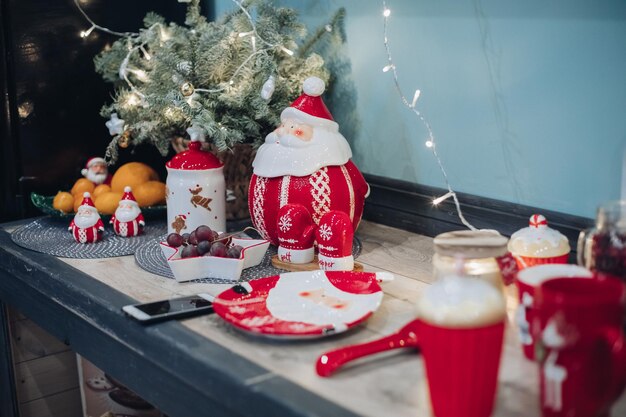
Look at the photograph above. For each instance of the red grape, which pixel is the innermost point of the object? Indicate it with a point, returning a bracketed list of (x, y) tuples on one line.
[(225, 239), (203, 247), (189, 251), (193, 239), (214, 234), (174, 240), (218, 249), (204, 233), (234, 252)]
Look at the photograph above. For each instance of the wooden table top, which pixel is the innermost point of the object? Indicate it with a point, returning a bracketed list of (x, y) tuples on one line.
[(389, 384)]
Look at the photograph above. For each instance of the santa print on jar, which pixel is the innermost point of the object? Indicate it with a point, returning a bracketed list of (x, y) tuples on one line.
[(196, 190), (306, 162), (96, 171)]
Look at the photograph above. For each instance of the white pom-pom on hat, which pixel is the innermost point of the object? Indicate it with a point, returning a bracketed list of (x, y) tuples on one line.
[(313, 86), (86, 194), (127, 189)]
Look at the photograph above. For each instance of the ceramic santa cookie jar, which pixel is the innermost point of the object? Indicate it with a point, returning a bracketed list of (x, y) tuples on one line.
[(87, 227), (538, 244), (128, 220), (196, 189), (305, 161)]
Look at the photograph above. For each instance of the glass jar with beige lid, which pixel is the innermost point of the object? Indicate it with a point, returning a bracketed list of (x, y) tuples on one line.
[(478, 249)]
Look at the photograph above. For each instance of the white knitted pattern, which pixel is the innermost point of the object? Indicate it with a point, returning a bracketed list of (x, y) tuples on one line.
[(350, 190), (320, 191), (257, 205), (284, 190)]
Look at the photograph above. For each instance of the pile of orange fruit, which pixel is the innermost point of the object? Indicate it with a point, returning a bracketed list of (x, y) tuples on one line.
[(143, 180)]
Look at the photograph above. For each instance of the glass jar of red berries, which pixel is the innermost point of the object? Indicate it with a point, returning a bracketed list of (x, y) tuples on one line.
[(603, 247)]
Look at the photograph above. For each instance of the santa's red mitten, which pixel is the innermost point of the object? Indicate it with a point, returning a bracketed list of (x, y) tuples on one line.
[(334, 241), (296, 234)]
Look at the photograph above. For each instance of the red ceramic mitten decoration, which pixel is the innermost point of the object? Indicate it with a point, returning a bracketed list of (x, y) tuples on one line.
[(128, 220), (305, 161), (334, 240), (296, 234), (87, 226), (538, 244)]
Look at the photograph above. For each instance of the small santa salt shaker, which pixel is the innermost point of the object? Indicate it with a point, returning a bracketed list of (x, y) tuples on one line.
[(196, 189), (128, 220), (87, 226)]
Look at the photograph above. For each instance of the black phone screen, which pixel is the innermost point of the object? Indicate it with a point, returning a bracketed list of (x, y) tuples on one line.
[(175, 305)]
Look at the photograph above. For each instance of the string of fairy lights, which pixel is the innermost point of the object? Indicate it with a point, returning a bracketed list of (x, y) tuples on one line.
[(430, 141), (260, 45)]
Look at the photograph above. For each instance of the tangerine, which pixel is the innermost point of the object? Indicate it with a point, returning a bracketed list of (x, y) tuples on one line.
[(107, 202), (81, 185), (100, 189), (132, 174), (63, 202), (150, 193)]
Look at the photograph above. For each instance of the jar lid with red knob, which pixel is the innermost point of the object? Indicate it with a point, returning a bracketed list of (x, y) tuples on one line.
[(194, 158)]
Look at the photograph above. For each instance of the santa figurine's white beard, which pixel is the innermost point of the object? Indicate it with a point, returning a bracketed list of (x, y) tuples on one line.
[(85, 219), (288, 155), (96, 178), (127, 213), (315, 300)]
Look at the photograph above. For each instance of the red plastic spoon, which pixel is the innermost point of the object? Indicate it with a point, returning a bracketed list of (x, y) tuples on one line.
[(329, 362)]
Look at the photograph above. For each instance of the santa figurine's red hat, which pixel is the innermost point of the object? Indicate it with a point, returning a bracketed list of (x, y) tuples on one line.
[(128, 196), (309, 108), (91, 162), (87, 202)]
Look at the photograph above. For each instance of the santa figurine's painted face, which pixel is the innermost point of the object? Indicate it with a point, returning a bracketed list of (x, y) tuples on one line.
[(299, 148), (86, 216), (97, 173), (127, 211), (295, 129)]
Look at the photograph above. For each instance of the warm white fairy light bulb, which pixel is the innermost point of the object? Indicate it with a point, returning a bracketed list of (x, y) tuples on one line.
[(85, 33), (430, 142), (145, 53), (287, 51)]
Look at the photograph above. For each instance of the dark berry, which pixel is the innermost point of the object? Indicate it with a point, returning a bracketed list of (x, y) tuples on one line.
[(189, 251), (203, 247), (234, 252), (185, 238), (218, 249), (214, 235), (174, 240), (225, 239), (204, 233), (193, 239)]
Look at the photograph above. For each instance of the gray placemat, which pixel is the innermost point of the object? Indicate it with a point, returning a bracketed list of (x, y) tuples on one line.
[(50, 235), (150, 257)]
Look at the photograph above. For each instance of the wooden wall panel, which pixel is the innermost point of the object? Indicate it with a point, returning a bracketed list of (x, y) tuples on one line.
[(32, 342)]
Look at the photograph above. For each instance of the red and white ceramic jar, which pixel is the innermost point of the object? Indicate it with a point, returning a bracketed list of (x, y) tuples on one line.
[(196, 190)]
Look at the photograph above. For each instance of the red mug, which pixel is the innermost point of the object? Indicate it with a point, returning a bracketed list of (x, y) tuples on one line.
[(581, 345), (527, 282)]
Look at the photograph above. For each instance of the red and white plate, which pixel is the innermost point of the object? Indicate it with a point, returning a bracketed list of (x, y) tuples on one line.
[(302, 304)]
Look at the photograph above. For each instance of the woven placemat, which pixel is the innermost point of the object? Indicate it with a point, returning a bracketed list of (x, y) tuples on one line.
[(50, 235), (150, 258)]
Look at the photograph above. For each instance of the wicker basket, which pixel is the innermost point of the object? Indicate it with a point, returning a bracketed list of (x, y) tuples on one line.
[(237, 172)]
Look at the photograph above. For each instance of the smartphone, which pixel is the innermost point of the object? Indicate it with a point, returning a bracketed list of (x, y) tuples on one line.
[(173, 308)]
